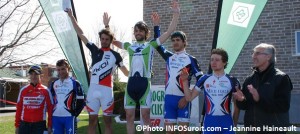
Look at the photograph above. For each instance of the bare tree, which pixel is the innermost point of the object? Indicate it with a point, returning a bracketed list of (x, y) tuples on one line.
[(22, 25)]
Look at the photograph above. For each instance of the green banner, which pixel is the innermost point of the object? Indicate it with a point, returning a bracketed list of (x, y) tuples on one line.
[(238, 18), (67, 37)]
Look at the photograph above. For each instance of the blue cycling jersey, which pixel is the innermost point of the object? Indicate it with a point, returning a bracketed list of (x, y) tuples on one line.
[(175, 62), (217, 93)]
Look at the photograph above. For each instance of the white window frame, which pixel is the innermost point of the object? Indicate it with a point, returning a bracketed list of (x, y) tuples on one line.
[(297, 43)]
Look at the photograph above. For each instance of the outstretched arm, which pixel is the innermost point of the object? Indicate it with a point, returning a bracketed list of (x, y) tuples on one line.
[(165, 54), (117, 44), (106, 19), (156, 20), (76, 27), (173, 24)]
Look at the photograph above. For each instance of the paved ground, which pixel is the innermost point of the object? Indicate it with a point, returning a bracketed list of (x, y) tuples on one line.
[(7, 111), (7, 114)]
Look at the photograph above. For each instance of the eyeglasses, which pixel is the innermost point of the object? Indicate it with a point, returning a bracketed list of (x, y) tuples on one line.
[(259, 53)]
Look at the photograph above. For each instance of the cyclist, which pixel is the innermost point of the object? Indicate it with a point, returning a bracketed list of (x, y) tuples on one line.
[(68, 98), (104, 62), (140, 59), (218, 89)]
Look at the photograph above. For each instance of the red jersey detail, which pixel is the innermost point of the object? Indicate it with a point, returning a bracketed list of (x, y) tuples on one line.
[(89, 109), (105, 49), (32, 104), (208, 104), (106, 81), (110, 109), (69, 102), (226, 105)]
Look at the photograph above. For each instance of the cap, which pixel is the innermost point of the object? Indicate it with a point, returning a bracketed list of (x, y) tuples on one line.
[(36, 69)]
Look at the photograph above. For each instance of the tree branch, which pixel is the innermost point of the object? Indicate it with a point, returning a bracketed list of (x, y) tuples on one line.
[(25, 59), (28, 29)]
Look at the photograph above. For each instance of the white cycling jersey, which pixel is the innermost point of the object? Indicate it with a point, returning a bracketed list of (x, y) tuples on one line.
[(217, 93), (104, 63), (141, 56), (63, 90)]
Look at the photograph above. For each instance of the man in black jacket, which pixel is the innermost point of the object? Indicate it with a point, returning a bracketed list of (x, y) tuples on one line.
[(266, 94)]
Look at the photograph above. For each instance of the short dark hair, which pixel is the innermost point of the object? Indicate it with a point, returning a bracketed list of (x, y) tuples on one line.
[(62, 62), (142, 25), (179, 34), (222, 53), (108, 33)]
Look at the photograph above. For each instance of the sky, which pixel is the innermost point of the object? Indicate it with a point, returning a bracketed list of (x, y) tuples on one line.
[(124, 14)]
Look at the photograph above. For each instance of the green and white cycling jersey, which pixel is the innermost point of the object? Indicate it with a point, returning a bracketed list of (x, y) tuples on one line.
[(141, 56)]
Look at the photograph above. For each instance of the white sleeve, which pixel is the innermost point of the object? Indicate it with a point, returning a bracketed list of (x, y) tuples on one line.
[(89, 43), (197, 88), (122, 46), (158, 42)]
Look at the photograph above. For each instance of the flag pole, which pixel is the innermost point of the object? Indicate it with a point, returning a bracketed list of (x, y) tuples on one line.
[(214, 45), (80, 46), (83, 59), (216, 32)]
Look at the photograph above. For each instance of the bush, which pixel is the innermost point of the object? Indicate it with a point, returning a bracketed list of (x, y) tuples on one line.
[(119, 86), (119, 102)]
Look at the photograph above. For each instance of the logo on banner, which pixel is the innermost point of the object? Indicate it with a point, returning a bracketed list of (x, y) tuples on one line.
[(54, 3), (61, 22), (240, 14)]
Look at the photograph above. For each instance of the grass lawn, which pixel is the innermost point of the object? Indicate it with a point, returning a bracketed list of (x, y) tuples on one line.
[(7, 126)]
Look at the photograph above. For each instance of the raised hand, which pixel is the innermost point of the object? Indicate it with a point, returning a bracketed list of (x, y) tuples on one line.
[(155, 19), (69, 11), (106, 19), (175, 7)]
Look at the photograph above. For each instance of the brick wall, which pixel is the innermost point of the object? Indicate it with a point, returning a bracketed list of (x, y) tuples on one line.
[(277, 24)]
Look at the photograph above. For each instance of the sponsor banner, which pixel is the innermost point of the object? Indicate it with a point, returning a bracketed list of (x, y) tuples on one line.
[(238, 17), (66, 36)]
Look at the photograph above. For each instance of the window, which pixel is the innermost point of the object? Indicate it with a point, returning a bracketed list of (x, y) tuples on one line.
[(297, 40)]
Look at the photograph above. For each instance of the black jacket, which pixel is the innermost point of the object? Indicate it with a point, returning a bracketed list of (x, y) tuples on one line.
[(274, 89)]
